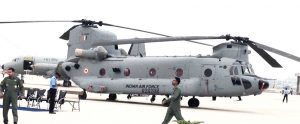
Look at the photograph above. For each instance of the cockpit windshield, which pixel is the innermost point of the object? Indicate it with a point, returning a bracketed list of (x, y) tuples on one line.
[(241, 69), (247, 70)]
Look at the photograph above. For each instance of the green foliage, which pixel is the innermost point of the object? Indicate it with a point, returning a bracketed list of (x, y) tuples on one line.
[(188, 122)]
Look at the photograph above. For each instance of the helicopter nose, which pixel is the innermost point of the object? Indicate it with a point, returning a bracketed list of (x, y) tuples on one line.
[(262, 85)]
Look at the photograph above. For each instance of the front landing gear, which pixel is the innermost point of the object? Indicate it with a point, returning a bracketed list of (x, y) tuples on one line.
[(193, 102)]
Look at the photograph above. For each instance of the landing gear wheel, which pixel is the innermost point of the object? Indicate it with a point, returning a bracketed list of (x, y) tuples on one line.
[(152, 99), (165, 103), (112, 97), (214, 98), (83, 96), (129, 96), (67, 83), (193, 102)]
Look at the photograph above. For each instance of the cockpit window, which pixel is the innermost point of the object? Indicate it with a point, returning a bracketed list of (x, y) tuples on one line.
[(231, 70), (234, 70), (247, 69)]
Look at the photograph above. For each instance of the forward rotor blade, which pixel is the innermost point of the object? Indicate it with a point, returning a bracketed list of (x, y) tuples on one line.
[(8, 22), (149, 32), (279, 52), (264, 55), (157, 39)]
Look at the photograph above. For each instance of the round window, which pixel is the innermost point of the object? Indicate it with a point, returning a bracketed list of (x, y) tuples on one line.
[(127, 72), (152, 72), (208, 72), (102, 72), (179, 72)]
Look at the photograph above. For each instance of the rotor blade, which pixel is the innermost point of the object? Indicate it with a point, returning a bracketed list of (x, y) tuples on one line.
[(157, 39), (264, 55), (279, 52), (106, 24), (8, 22), (66, 35)]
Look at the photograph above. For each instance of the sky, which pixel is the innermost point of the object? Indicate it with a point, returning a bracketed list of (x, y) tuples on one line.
[(271, 22)]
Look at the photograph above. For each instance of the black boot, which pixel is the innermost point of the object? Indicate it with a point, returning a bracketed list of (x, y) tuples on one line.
[(15, 122)]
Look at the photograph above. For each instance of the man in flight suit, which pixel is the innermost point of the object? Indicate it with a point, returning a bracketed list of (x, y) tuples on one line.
[(174, 107), (12, 87)]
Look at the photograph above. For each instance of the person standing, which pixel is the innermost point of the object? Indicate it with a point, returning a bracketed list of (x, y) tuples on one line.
[(12, 87), (52, 92), (174, 107), (285, 93)]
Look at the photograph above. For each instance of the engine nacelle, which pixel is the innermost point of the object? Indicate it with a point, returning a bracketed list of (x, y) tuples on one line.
[(98, 53)]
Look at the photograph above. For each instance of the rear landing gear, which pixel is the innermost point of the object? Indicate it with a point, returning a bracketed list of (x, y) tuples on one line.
[(152, 98), (112, 97), (84, 95), (67, 83), (193, 102)]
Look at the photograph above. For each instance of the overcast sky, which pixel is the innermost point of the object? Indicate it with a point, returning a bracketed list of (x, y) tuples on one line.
[(271, 22)]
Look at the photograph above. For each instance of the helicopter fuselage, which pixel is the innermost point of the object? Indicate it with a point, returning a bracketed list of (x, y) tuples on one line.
[(201, 76)]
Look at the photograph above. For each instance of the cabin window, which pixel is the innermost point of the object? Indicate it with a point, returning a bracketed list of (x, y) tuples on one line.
[(152, 72), (102, 71), (127, 72), (208, 72)]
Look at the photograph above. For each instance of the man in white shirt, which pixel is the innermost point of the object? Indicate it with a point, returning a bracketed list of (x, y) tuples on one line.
[(285, 93), (52, 92)]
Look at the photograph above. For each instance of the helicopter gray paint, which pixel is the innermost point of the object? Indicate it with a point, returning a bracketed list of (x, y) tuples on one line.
[(194, 82)]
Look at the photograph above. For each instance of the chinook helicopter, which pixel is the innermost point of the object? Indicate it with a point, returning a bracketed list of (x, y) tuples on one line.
[(95, 64)]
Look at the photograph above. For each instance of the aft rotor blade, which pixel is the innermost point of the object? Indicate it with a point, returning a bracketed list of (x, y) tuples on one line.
[(279, 52), (264, 55), (149, 32), (157, 39)]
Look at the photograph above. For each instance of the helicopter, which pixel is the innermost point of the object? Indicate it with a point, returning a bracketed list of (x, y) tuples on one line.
[(45, 66), (95, 64)]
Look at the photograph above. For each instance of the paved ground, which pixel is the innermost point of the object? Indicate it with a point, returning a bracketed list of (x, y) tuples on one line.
[(265, 108)]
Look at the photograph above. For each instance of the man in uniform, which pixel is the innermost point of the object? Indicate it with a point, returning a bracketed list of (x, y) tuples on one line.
[(12, 87), (52, 93), (174, 107)]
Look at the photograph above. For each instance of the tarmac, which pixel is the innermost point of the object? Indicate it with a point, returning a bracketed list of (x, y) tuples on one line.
[(264, 108)]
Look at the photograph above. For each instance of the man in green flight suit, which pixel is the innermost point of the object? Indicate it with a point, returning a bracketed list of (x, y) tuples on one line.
[(174, 107), (12, 87)]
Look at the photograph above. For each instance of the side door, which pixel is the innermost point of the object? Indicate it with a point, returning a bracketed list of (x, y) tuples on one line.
[(208, 77)]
